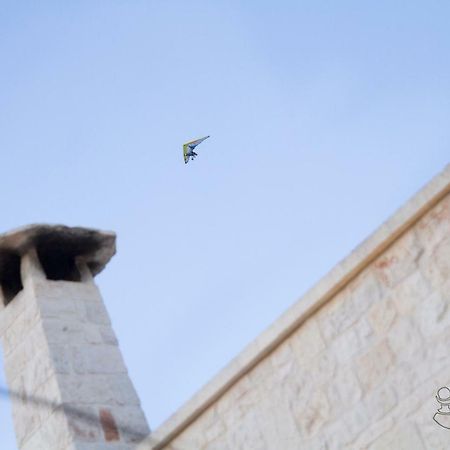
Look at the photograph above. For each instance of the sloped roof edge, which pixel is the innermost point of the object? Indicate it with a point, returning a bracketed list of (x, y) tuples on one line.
[(307, 305)]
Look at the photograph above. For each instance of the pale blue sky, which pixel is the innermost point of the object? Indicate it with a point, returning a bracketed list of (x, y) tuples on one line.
[(324, 118)]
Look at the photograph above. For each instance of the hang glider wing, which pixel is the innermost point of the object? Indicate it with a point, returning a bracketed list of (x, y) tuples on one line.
[(194, 144), (185, 153), (189, 146)]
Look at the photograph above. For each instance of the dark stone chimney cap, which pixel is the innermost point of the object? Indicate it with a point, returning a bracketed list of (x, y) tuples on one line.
[(95, 247)]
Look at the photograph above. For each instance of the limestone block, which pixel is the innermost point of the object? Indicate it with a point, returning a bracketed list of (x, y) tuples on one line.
[(409, 375), (399, 261), (16, 361), (97, 359), (107, 334), (307, 342), (82, 389), (380, 401), (347, 345), (403, 437), (433, 436), (53, 433), (13, 311), (311, 417), (249, 400), (58, 308), (323, 368), (373, 431), (410, 293), (417, 397), (191, 438), (282, 355), (91, 334), (38, 371), (233, 398), (123, 389), (25, 419), (284, 367), (131, 423), (336, 316), (355, 421), (432, 315), (97, 334), (20, 327), (111, 389), (405, 340), (436, 267), (334, 436), (96, 313), (277, 403), (249, 434), (60, 357), (435, 225), (373, 366), (300, 386), (265, 368), (382, 315), (82, 422), (280, 375), (66, 290), (365, 290), (437, 356), (365, 333), (229, 413), (63, 331), (47, 398), (344, 391), (215, 431)]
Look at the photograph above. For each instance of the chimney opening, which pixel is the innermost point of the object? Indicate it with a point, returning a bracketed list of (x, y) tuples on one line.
[(58, 264), (10, 278)]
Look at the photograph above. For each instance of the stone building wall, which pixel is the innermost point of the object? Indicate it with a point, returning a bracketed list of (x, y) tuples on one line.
[(361, 371)]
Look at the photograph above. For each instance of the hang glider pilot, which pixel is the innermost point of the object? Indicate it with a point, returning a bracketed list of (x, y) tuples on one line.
[(188, 149)]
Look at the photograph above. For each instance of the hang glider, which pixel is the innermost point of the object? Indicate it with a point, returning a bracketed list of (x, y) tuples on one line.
[(188, 149)]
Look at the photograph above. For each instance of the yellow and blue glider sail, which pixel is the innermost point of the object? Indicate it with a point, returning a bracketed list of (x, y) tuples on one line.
[(188, 149)]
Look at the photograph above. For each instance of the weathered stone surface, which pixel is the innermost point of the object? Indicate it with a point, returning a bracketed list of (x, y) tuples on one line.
[(97, 359), (399, 261), (308, 342), (361, 373), (382, 315), (381, 401), (344, 391), (404, 437), (374, 365), (335, 317), (311, 419), (94, 246), (436, 266), (405, 340), (62, 361), (411, 293)]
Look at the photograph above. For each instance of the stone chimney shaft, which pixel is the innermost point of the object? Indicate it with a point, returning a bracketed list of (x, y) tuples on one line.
[(69, 383)]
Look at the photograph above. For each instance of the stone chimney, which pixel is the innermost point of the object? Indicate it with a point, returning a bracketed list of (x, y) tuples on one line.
[(68, 381)]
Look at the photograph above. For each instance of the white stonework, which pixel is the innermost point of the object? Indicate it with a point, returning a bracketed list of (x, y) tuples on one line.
[(354, 364), (70, 386)]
